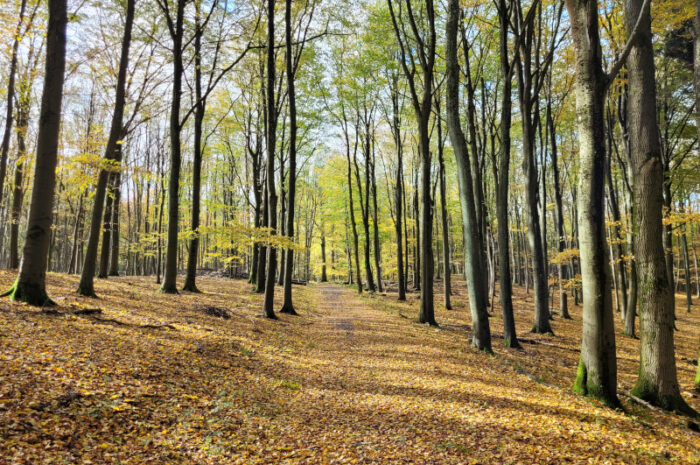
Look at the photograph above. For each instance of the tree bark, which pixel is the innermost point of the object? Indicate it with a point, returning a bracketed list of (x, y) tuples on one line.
[(30, 286), (561, 234), (176, 29), (657, 382), (481, 334), (114, 248), (400, 201), (597, 369), (200, 108), (443, 218), (288, 304), (87, 275), (9, 113), (271, 127)]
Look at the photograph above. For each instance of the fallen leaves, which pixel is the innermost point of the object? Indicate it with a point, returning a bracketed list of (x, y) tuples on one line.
[(349, 381)]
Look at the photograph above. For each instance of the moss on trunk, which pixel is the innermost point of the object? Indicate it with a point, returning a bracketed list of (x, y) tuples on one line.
[(32, 294)]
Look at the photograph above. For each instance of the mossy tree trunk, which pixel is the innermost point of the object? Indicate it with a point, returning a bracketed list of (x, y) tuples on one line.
[(30, 286), (597, 370), (657, 382)]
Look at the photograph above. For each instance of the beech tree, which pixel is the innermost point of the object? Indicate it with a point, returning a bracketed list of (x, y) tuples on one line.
[(477, 291), (657, 382), (417, 48), (110, 161), (30, 286)]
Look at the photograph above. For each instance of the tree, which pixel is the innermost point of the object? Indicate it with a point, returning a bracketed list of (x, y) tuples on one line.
[(421, 44), (111, 157), (9, 114), (501, 171), (30, 286), (597, 369), (481, 334), (23, 114), (271, 140), (176, 29), (530, 74), (657, 382)]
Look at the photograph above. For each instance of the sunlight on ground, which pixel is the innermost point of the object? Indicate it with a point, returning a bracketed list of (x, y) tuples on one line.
[(139, 377)]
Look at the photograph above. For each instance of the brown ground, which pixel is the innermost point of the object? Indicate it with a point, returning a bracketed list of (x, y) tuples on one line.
[(158, 379)]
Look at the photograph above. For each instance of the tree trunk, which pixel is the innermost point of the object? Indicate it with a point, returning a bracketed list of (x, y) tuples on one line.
[(324, 273), (87, 275), (200, 108), (657, 382), (597, 369), (30, 286), (288, 264), (501, 179), (114, 248), (534, 232), (686, 269), (271, 127), (18, 191), (443, 217), (262, 259), (481, 334), (102, 272), (9, 115), (399, 197), (169, 285), (561, 234), (375, 223)]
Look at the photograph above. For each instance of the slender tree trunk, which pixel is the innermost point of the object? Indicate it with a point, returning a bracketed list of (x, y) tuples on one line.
[(271, 127), (77, 226), (114, 249), (399, 187), (30, 286), (87, 275), (9, 112), (534, 232), (657, 382), (351, 207), (597, 369), (481, 334), (169, 285), (443, 217), (501, 179), (288, 304), (324, 273), (561, 239), (375, 223), (686, 269), (102, 272), (200, 107), (262, 259), (18, 190)]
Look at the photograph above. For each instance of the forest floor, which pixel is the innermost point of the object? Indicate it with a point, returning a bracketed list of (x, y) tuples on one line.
[(138, 377)]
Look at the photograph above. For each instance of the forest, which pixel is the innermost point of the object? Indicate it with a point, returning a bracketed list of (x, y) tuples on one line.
[(349, 231)]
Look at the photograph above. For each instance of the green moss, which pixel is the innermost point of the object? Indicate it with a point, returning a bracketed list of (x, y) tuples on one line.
[(585, 386), (581, 376), (31, 294), (645, 390)]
